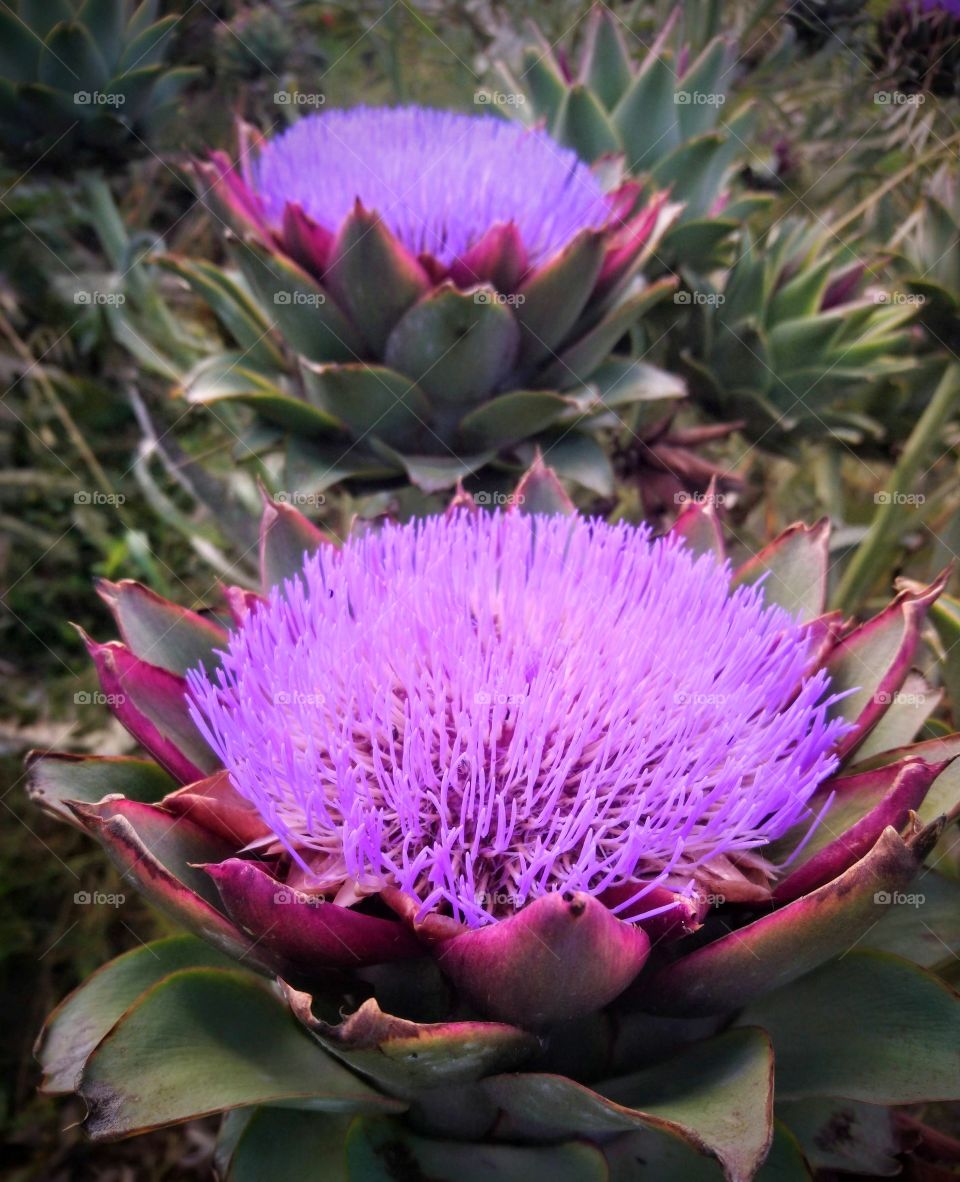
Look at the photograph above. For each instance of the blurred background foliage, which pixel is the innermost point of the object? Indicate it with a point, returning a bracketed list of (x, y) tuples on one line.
[(815, 317)]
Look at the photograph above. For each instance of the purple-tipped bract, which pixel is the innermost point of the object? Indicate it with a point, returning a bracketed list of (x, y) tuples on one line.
[(481, 709), (438, 179)]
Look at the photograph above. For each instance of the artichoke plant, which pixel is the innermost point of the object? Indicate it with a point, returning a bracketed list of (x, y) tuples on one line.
[(451, 288), (664, 114), (793, 341), (515, 845), (83, 81)]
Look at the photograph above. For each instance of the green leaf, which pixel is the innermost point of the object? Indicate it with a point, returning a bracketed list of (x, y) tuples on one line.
[(40, 16), (579, 457), (457, 346), (383, 1151), (686, 172), (703, 85), (583, 125), (373, 400), (647, 117), (794, 568), (844, 1135), (233, 307), (224, 378), (19, 48), (104, 19), (622, 382), (305, 314), (868, 1027), (714, 1095), (81, 1020), (55, 778), (606, 60), (151, 46), (206, 1040), (435, 473), (945, 617), (288, 1143), (923, 925), (512, 417), (71, 62)]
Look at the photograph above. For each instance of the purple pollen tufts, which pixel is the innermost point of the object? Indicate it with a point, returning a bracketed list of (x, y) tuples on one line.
[(438, 179), (484, 708)]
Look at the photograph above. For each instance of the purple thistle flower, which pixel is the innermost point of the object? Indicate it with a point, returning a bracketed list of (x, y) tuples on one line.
[(483, 709), (438, 179)]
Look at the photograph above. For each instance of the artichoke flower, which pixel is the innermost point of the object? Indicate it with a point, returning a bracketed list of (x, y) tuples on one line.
[(451, 287), (520, 845), (84, 81)]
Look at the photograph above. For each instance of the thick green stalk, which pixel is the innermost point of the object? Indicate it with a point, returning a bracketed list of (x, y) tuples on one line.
[(873, 553)]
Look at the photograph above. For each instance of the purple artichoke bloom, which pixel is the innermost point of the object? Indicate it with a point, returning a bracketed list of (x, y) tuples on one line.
[(481, 710), (951, 6), (438, 179)]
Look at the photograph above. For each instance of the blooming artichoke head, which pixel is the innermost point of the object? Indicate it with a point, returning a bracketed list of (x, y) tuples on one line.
[(541, 801), (453, 283), (918, 44)]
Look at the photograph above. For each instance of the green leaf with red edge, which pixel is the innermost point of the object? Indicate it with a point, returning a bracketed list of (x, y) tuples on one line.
[(785, 944), (870, 1027), (159, 631), (405, 1057), (286, 538), (794, 569), (384, 1151), (55, 777), (715, 1096), (923, 925), (206, 1040), (83, 1018)]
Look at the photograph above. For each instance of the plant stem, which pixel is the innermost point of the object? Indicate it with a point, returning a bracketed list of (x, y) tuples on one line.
[(871, 556)]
